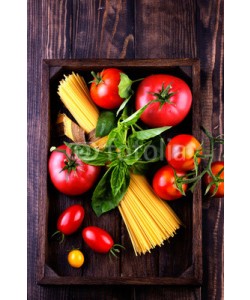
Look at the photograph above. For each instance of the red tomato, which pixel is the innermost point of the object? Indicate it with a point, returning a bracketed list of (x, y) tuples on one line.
[(174, 96), (164, 183), (70, 219), (69, 174), (97, 239), (104, 88), (216, 167), (180, 152)]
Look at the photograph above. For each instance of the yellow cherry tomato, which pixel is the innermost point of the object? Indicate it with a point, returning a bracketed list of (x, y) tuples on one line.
[(75, 258)]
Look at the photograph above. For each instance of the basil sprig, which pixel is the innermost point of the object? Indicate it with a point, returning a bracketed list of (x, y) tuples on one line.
[(125, 152)]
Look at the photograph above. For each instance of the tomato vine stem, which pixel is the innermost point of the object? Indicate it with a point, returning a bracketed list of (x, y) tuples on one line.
[(194, 180)]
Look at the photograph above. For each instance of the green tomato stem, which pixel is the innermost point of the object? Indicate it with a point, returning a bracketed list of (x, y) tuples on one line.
[(136, 80), (207, 169)]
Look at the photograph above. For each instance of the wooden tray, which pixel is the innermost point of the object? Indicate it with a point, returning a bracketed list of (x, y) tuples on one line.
[(178, 262)]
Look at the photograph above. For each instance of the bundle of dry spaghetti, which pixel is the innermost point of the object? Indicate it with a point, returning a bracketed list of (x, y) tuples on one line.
[(148, 219)]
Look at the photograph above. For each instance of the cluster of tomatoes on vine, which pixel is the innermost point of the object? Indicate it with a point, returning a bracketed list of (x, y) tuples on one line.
[(184, 153)]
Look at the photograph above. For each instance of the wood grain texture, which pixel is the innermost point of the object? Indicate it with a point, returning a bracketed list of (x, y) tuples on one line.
[(170, 293), (211, 52), (165, 29), (119, 29), (103, 29), (57, 28), (33, 131)]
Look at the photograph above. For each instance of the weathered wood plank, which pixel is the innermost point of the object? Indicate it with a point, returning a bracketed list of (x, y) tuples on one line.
[(103, 29), (33, 135), (210, 39), (88, 292), (57, 28), (165, 29), (169, 293)]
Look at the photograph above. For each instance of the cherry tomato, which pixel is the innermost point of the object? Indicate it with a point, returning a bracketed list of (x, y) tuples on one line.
[(216, 167), (75, 258), (100, 240), (70, 219), (180, 152), (164, 183), (69, 174), (97, 239), (104, 88), (174, 97)]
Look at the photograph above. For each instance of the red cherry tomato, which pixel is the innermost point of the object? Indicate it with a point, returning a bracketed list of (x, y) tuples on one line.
[(216, 167), (97, 239), (174, 97), (69, 174), (164, 183), (180, 152), (71, 219), (104, 88)]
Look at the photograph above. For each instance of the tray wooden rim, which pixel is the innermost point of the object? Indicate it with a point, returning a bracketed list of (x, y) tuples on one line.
[(193, 276)]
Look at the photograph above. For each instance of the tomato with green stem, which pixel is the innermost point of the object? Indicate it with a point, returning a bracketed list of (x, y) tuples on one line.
[(69, 174), (70, 220), (171, 100), (100, 240), (104, 88), (164, 183), (215, 183), (183, 152)]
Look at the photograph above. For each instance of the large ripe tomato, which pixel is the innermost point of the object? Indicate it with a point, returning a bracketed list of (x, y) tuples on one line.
[(70, 219), (216, 167), (174, 97), (180, 152), (164, 183), (104, 88), (69, 174)]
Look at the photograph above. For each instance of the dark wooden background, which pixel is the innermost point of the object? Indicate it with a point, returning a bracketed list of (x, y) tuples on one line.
[(128, 29)]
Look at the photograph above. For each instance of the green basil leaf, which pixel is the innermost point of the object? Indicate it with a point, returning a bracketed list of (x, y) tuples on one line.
[(133, 142), (118, 177), (124, 103), (124, 86), (117, 137), (102, 193), (150, 133), (91, 155), (132, 119), (136, 154), (103, 199), (106, 122)]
